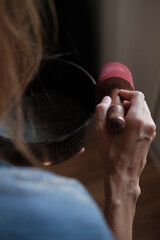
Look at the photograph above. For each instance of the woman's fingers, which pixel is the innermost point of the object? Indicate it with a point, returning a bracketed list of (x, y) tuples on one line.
[(80, 152), (126, 104), (138, 116), (101, 112), (134, 97)]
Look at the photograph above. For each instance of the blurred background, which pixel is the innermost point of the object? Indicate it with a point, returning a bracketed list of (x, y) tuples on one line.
[(130, 33), (93, 33)]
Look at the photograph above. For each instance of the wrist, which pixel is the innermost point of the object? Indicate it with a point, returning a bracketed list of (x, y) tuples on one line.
[(122, 187), (121, 195), (120, 203), (123, 168)]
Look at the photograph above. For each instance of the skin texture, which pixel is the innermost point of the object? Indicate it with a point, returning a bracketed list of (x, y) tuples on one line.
[(124, 157)]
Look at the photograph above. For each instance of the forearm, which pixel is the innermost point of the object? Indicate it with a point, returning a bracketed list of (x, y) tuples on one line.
[(120, 202), (124, 157)]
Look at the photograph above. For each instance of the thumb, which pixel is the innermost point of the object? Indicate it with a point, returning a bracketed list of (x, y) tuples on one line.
[(101, 112)]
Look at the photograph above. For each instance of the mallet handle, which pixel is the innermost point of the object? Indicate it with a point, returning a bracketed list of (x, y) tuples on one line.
[(115, 117)]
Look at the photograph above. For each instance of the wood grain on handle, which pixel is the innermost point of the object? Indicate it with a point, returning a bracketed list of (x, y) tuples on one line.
[(116, 113)]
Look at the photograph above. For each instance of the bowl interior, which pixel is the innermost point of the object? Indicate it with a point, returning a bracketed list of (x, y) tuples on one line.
[(57, 103)]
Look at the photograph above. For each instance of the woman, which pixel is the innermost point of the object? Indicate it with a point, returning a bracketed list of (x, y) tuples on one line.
[(35, 204)]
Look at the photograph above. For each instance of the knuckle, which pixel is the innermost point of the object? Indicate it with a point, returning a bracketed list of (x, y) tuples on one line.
[(138, 191), (151, 128), (153, 136), (145, 128), (139, 94), (137, 122), (100, 107)]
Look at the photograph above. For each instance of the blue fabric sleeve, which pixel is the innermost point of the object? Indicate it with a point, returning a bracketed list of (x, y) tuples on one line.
[(39, 205)]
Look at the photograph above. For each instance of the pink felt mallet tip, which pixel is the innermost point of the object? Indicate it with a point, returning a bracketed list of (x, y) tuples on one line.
[(112, 77), (115, 69)]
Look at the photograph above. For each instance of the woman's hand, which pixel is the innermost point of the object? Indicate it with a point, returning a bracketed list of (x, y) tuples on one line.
[(124, 155)]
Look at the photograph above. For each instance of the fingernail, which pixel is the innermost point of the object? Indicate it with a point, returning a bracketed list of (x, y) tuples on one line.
[(106, 99)]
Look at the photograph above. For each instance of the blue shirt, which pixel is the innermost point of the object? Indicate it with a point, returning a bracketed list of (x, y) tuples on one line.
[(39, 205)]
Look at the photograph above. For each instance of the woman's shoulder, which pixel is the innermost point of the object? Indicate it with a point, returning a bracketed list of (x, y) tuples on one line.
[(36, 180), (57, 205)]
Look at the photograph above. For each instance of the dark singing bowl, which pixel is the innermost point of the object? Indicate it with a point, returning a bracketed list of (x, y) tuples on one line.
[(58, 109)]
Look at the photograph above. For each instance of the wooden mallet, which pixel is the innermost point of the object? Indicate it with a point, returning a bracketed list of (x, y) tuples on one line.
[(112, 77)]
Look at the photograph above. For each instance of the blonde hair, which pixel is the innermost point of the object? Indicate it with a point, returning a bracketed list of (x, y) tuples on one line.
[(22, 30)]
